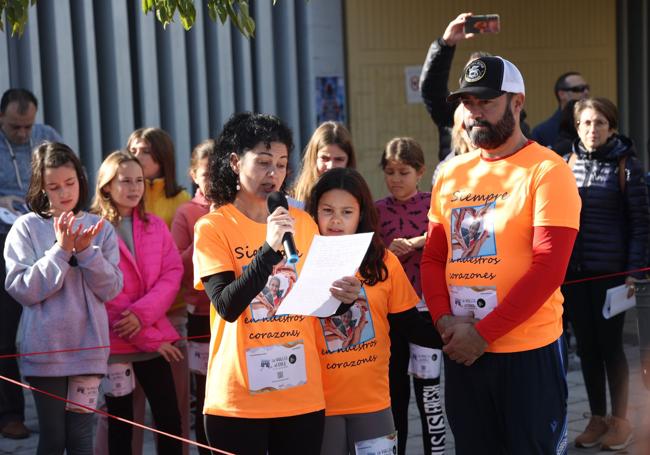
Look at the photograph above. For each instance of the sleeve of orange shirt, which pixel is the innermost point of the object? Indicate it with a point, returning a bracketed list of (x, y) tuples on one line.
[(432, 270), (552, 246)]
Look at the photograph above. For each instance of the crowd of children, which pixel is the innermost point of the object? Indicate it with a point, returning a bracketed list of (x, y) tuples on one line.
[(142, 270)]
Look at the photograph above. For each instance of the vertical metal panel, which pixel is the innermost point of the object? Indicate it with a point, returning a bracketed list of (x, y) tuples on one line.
[(286, 72), (85, 70), (221, 66), (5, 76), (264, 59), (146, 67), (243, 65), (57, 58), (174, 105), (114, 70), (197, 80), (101, 69), (305, 77), (24, 61)]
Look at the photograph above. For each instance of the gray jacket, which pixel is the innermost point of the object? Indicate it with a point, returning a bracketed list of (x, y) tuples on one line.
[(62, 295)]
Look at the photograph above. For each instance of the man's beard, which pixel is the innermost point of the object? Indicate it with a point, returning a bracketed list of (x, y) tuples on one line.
[(492, 136)]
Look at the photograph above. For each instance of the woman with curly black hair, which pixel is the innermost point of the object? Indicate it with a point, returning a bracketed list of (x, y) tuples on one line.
[(264, 391)]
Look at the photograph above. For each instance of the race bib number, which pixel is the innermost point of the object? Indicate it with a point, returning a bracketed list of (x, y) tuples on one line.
[(276, 367), (120, 380), (83, 390), (198, 354), (424, 363), (384, 445), (475, 301)]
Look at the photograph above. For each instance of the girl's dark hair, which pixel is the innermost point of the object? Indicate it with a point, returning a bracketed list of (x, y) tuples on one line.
[(241, 133), (50, 155), (162, 150), (373, 269), (405, 150)]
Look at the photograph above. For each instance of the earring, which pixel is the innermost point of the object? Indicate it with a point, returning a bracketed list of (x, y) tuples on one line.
[(238, 186)]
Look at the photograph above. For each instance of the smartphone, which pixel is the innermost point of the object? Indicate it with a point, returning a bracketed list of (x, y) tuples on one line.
[(485, 23)]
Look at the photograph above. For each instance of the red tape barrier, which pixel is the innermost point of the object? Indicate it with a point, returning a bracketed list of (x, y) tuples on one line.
[(26, 354), (106, 414), (608, 275), (58, 351), (189, 441)]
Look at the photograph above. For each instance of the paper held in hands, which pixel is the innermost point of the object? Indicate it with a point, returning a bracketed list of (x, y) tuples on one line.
[(329, 259), (616, 301)]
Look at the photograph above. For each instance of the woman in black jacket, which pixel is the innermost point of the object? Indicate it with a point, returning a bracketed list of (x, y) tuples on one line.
[(613, 237)]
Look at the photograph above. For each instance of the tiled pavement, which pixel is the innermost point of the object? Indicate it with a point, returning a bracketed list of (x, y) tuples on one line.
[(578, 412)]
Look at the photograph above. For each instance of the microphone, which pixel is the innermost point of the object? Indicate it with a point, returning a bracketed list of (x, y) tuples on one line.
[(275, 200)]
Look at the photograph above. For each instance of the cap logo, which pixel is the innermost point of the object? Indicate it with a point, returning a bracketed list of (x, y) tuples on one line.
[(475, 71)]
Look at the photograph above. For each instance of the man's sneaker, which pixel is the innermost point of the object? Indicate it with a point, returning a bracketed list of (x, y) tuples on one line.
[(618, 436), (15, 430), (592, 435)]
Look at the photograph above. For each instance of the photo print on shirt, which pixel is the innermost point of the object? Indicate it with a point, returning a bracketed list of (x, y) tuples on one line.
[(278, 285), (472, 231), (353, 327)]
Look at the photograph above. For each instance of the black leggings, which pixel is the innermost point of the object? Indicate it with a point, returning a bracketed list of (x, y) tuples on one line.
[(155, 377), (299, 435), (600, 344), (427, 396), (197, 326)]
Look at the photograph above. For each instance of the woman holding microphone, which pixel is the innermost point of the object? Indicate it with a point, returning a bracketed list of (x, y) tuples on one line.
[(264, 391)]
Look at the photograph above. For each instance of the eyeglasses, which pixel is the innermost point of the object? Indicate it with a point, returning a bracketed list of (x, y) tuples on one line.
[(576, 89), (595, 123)]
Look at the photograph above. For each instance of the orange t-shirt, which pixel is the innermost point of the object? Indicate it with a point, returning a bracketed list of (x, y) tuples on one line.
[(488, 210), (262, 365), (355, 346)]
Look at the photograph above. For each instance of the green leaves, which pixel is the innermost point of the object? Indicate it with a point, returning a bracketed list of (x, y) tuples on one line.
[(236, 10), (16, 13)]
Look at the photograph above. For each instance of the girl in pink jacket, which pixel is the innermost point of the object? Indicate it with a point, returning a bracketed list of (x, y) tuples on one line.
[(140, 333)]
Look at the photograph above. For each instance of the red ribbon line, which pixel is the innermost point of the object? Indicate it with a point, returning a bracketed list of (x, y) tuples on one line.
[(608, 275), (106, 414), (58, 351), (27, 354)]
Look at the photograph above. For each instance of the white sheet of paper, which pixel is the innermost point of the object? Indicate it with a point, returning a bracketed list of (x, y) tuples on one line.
[(329, 259), (616, 301)]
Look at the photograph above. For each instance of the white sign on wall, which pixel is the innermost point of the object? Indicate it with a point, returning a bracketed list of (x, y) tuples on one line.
[(412, 79)]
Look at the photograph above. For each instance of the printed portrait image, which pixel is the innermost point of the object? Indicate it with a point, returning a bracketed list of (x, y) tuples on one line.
[(352, 327), (265, 304), (472, 231)]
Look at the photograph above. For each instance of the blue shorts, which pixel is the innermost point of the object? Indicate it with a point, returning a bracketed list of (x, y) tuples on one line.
[(512, 403)]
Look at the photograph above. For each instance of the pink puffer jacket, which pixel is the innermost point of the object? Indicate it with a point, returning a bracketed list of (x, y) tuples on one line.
[(151, 282)]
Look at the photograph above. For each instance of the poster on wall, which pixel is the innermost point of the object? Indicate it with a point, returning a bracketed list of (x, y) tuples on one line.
[(330, 99), (412, 79)]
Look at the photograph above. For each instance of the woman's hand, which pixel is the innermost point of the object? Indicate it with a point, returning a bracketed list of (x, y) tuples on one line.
[(278, 223), (401, 247), (128, 326), (346, 289), (629, 282), (65, 232), (170, 352), (87, 235)]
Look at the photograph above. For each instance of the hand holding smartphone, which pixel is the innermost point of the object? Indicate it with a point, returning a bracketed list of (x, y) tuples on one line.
[(485, 23)]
